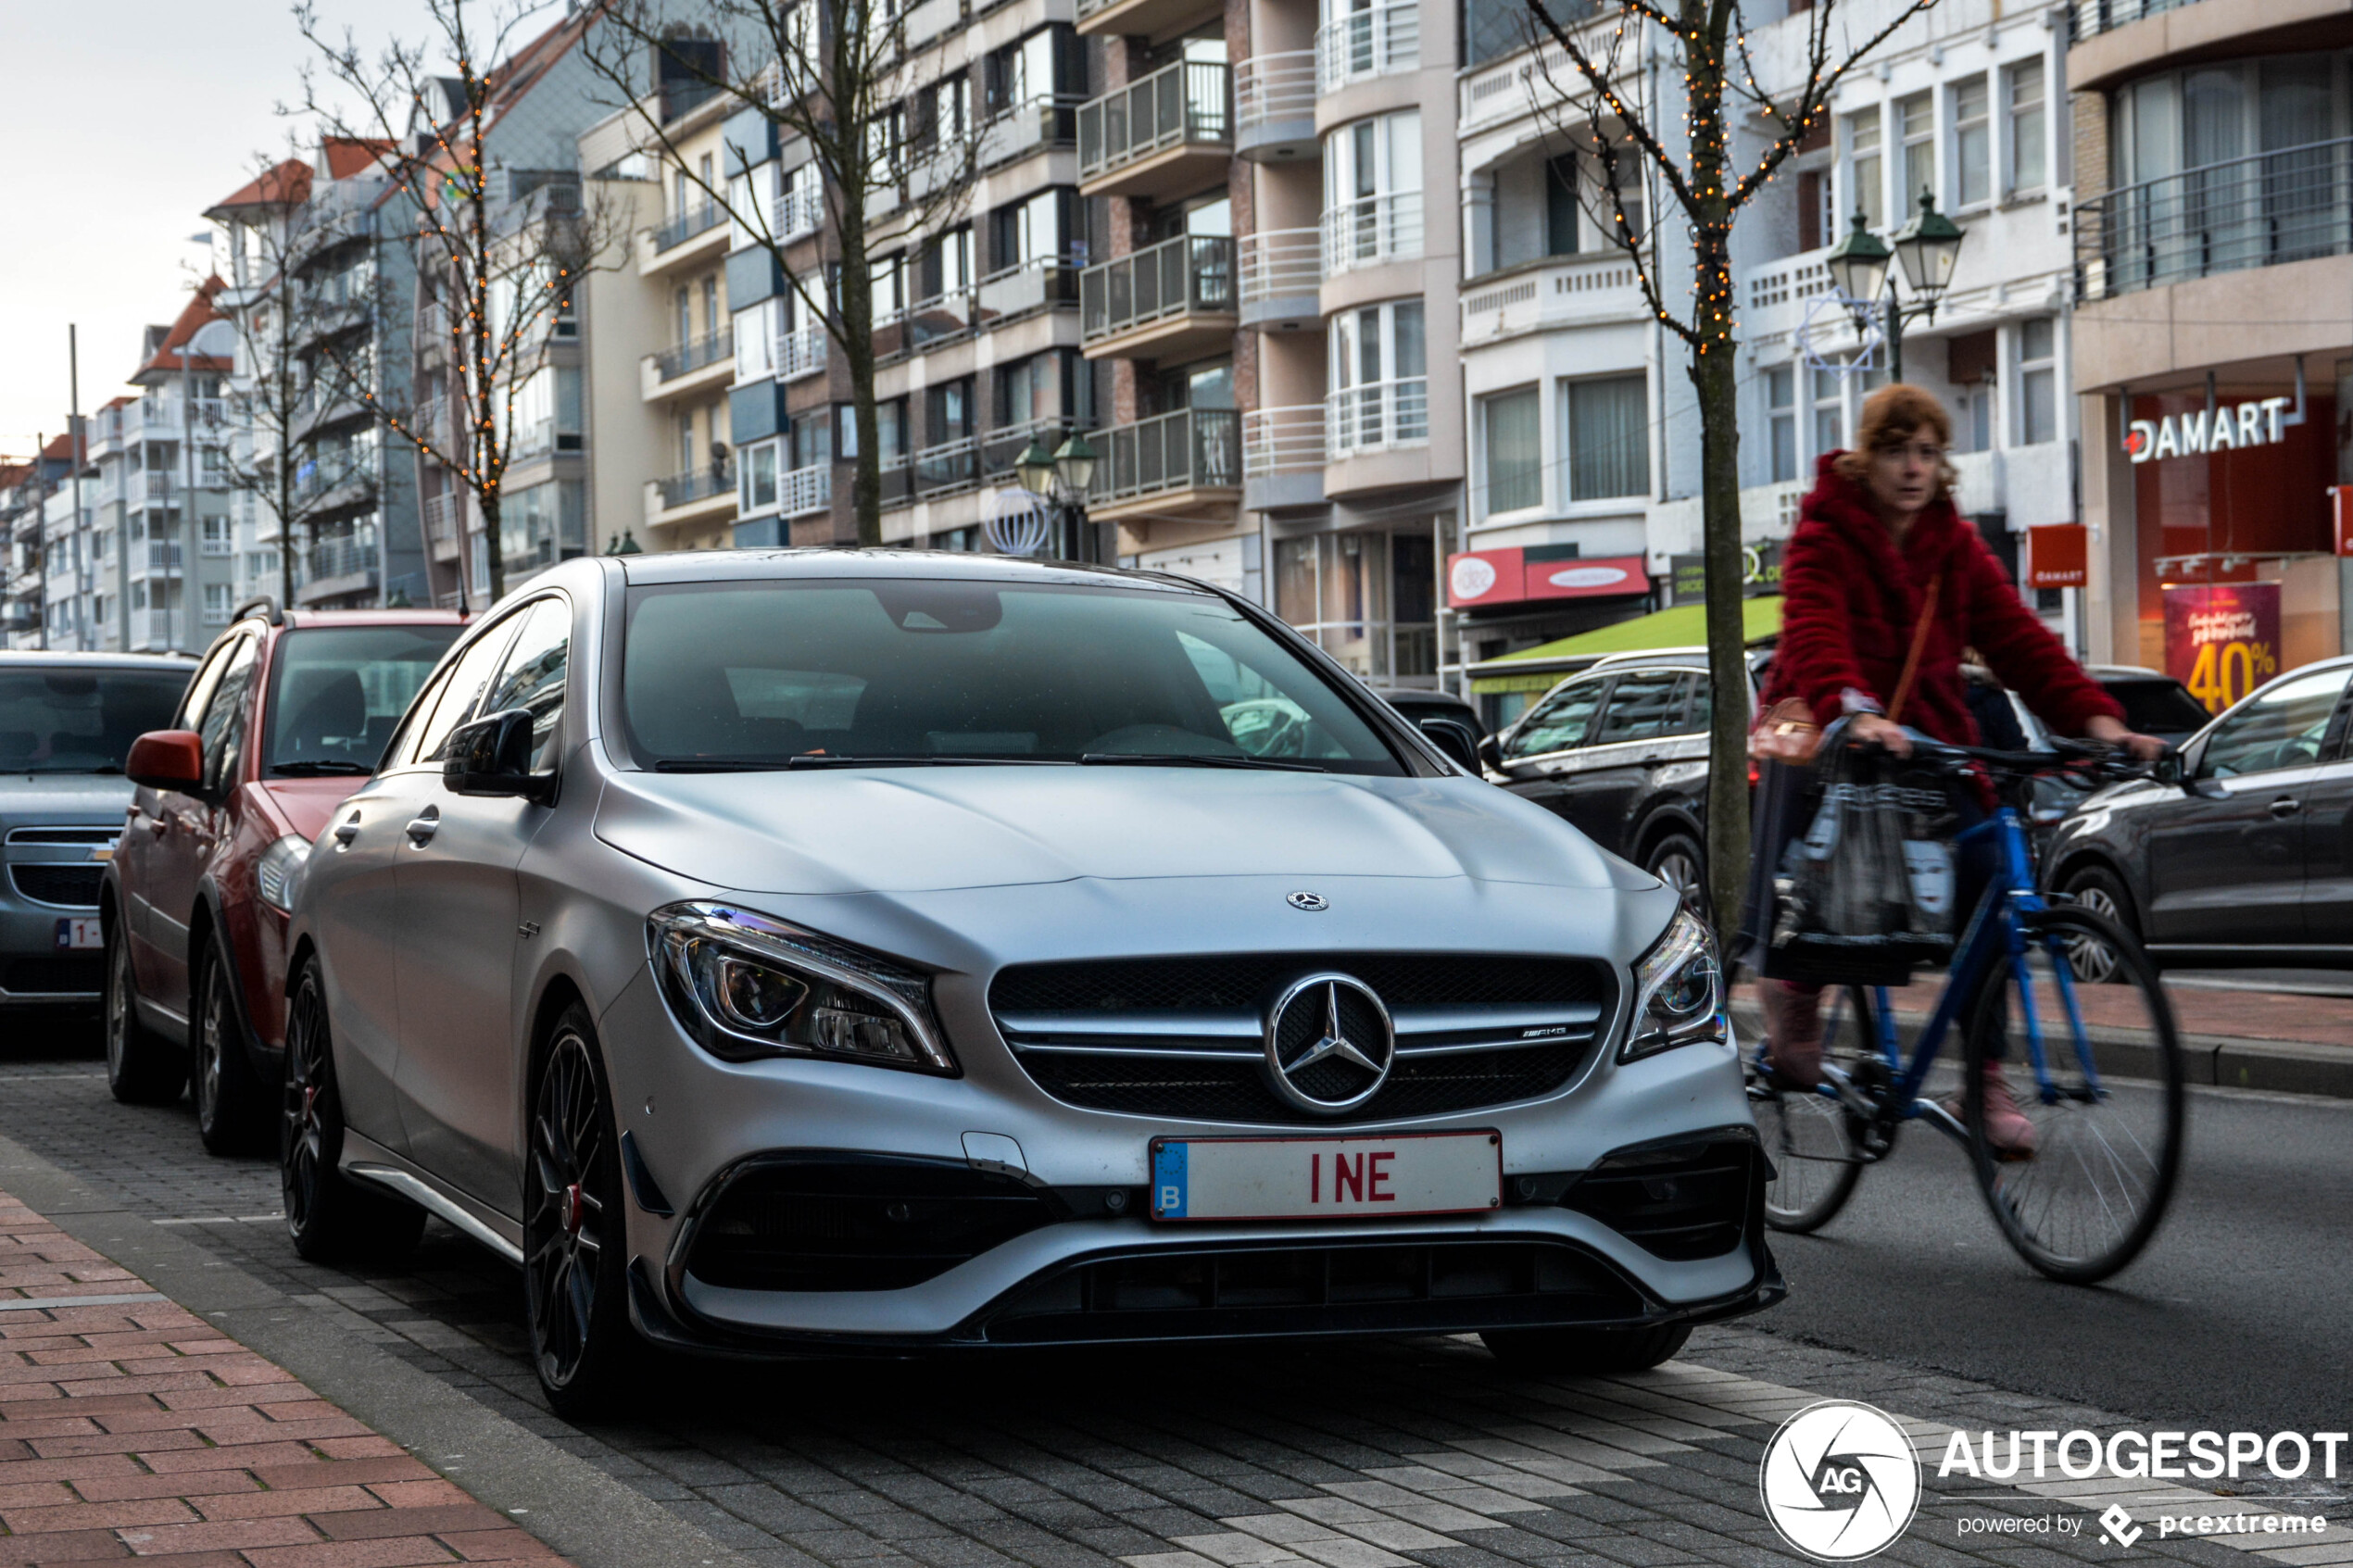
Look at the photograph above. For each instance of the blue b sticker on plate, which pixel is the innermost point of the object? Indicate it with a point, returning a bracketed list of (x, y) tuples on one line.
[(1168, 1181)]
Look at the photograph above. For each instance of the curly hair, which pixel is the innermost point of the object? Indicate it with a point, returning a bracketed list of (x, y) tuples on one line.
[(1891, 416)]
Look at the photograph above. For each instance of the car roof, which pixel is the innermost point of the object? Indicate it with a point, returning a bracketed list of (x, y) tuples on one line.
[(819, 561), (377, 618), (26, 657)]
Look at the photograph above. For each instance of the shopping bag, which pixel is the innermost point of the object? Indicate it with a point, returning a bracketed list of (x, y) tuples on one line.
[(1866, 891)]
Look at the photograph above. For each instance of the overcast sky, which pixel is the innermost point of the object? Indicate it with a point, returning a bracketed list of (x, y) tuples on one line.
[(122, 121)]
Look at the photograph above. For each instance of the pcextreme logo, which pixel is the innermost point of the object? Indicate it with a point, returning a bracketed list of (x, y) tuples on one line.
[(1839, 1480)]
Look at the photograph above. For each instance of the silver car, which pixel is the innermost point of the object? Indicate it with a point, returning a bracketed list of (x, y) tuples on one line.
[(67, 722), (881, 951)]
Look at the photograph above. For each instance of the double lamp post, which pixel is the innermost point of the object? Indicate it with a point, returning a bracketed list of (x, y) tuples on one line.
[(1060, 479), (1926, 248)]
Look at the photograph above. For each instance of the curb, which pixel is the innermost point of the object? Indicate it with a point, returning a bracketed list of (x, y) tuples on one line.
[(584, 1514)]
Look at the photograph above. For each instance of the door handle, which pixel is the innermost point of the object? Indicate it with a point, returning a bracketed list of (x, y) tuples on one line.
[(421, 827), (347, 829), (2285, 805)]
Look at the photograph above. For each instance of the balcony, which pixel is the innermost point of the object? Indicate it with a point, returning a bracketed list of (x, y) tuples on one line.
[(800, 351), (698, 495), (1185, 462), (1274, 106), (799, 213), (335, 567), (949, 467), (1283, 457), (1564, 292), (1154, 19), (164, 557), (1278, 272), (1377, 417), (151, 489), (1363, 44), (1166, 135), (1040, 284), (697, 234), (442, 514), (1043, 121), (1371, 231), (803, 491), (1172, 301), (2262, 211), (700, 364), (690, 224)]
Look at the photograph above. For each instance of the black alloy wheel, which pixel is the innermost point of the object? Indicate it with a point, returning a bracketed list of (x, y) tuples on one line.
[(232, 1107), (1585, 1351), (1678, 862), (575, 1240), (329, 1216), (143, 1068), (2101, 891)]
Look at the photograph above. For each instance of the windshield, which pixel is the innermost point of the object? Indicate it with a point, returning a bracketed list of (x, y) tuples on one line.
[(61, 719), (337, 690), (795, 673), (2157, 708)]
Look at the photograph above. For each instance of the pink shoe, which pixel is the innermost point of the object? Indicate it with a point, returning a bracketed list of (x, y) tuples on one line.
[(1793, 1032), (2006, 1127)]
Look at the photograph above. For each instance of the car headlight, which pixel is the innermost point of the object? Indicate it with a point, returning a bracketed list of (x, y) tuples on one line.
[(1679, 991), (747, 986), (274, 875)]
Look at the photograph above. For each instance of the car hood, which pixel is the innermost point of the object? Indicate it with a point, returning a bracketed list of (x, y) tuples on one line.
[(84, 799), (932, 829)]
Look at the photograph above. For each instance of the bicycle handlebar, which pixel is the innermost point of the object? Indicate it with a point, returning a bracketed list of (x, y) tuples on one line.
[(2095, 759)]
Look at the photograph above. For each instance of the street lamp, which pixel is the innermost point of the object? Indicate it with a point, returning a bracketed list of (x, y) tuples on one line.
[(1060, 478), (1927, 250)]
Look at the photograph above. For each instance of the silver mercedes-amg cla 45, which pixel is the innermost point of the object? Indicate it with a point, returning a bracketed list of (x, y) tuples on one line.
[(840, 950)]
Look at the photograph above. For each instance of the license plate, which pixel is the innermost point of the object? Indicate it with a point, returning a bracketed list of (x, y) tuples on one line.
[(1328, 1177), (79, 934)]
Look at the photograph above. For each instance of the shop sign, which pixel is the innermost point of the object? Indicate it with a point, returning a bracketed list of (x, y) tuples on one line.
[(1478, 578), (2058, 556), (2261, 422), (2222, 640), (1760, 573)]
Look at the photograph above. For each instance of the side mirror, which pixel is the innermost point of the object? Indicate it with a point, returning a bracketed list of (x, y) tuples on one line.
[(167, 760), (2167, 769), (1490, 751), (491, 755), (1454, 738)]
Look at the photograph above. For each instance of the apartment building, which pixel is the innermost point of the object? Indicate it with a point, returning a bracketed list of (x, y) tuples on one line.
[(25, 489), (2213, 346)]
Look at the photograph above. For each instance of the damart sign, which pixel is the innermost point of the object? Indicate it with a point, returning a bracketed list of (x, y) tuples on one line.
[(2234, 425)]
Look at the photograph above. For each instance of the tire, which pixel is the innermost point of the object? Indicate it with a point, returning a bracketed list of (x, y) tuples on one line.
[(232, 1105), (143, 1068), (2103, 892), (1806, 1136), (575, 1251), (1589, 1351), (1678, 860), (2108, 1149), (330, 1217)]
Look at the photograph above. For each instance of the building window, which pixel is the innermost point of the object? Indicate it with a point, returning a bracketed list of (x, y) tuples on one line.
[(1368, 599), (757, 478), (1863, 167), (1609, 448), (1829, 410), (1560, 205), (1373, 190), (1514, 456), (1780, 398), (1972, 141), (216, 604), (889, 297), (2026, 149), (1919, 116), (1379, 379), (2038, 381)]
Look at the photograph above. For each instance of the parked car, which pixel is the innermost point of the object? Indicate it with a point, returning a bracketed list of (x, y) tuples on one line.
[(2247, 858), (839, 950), (66, 722), (286, 714)]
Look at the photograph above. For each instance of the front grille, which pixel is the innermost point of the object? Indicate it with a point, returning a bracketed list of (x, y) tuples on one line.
[(1679, 1200), (1429, 1287), (74, 885), (1182, 1037), (35, 977), (857, 1224), (91, 837)]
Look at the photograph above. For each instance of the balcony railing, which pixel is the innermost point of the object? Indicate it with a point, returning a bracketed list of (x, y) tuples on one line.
[(688, 358), (1190, 449), (339, 558), (2088, 18), (1377, 416), (149, 489), (799, 213), (1372, 229), (941, 317), (1282, 441), (163, 554), (1269, 89), (951, 465), (1193, 274), (1185, 103), (1047, 121), (695, 220), (441, 517), (2259, 211), (1279, 264), (697, 485), (216, 544), (1367, 43), (802, 491), (1030, 286), (800, 351)]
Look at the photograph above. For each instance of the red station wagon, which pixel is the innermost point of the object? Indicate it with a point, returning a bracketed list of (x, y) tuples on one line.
[(287, 713)]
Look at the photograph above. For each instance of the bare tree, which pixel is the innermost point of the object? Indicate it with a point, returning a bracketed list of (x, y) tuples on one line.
[(894, 151), (1735, 132), (500, 246)]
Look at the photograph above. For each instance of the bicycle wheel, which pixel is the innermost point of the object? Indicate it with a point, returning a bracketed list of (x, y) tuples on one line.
[(2086, 1196), (1815, 1165)]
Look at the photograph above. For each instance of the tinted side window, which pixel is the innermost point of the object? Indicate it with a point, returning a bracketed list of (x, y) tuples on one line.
[(533, 677), (2281, 728), (1642, 707), (1698, 696), (1560, 720), (223, 727), (459, 690)]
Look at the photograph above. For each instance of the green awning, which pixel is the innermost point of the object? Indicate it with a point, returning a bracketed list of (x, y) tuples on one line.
[(1682, 627)]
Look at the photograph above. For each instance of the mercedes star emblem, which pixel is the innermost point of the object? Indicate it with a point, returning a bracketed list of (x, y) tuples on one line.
[(1310, 902), (1329, 1043)]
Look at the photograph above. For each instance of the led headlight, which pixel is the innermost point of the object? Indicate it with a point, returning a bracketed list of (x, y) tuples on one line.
[(274, 875), (1679, 991), (747, 986)]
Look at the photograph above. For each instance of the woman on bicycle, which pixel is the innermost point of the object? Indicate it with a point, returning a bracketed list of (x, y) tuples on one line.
[(1878, 530)]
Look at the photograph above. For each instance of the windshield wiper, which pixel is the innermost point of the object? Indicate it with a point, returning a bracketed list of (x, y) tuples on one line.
[(820, 760), (320, 768), (1192, 760)]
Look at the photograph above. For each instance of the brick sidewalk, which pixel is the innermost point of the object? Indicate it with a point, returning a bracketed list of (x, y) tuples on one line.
[(130, 1429)]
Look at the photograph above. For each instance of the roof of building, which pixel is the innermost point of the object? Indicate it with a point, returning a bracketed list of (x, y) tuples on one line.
[(347, 155), (282, 184), (61, 449), (195, 314)]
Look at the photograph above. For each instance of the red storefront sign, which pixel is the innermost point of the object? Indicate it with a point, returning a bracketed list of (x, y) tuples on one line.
[(2222, 640), (2057, 556), (1477, 578)]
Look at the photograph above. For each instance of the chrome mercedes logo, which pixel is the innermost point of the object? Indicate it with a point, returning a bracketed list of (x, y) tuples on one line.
[(1329, 1043), (1310, 902)]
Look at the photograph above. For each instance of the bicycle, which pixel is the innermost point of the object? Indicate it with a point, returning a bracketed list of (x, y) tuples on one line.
[(2108, 1107)]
